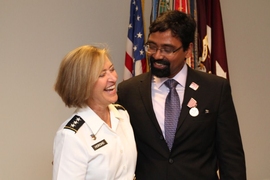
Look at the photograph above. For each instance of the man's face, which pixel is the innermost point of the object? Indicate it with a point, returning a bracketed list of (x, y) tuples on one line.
[(169, 59)]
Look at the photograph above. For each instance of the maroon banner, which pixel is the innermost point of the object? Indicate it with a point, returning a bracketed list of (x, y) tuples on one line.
[(211, 41)]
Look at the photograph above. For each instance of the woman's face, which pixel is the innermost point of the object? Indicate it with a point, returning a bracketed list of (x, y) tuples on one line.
[(104, 90)]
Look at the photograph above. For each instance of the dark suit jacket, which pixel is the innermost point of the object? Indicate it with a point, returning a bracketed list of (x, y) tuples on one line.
[(202, 144)]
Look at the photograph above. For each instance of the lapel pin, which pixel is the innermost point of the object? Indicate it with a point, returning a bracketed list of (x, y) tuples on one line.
[(193, 109), (93, 136), (194, 112), (194, 86)]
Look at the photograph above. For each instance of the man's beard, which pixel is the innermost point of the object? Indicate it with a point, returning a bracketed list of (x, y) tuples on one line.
[(165, 72)]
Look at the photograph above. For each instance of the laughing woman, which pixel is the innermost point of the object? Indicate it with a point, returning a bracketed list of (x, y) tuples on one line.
[(97, 141)]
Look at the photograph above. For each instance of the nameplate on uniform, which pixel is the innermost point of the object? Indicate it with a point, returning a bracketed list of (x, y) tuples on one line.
[(100, 144)]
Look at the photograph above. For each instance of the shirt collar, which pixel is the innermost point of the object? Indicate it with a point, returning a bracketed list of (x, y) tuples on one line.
[(180, 77), (93, 121)]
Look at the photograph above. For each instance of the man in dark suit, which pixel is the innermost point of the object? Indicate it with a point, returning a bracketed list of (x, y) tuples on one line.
[(207, 137)]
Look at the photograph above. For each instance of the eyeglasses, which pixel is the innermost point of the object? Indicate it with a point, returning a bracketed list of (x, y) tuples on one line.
[(166, 51)]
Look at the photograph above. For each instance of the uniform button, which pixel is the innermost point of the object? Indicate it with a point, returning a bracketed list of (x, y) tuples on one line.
[(170, 160)]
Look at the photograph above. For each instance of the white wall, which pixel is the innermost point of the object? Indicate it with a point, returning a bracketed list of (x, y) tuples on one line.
[(247, 27), (35, 35)]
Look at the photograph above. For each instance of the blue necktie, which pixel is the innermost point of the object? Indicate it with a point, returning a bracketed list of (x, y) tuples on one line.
[(172, 112)]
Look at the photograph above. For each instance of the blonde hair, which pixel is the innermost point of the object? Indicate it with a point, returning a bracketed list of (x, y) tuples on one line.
[(78, 72)]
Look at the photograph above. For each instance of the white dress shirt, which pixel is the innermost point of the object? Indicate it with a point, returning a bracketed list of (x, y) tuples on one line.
[(160, 92), (95, 151)]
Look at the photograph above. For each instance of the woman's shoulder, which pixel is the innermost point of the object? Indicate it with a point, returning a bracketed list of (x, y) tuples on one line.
[(119, 107), (119, 111)]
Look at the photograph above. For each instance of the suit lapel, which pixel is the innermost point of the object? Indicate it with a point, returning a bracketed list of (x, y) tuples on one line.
[(145, 93), (189, 93)]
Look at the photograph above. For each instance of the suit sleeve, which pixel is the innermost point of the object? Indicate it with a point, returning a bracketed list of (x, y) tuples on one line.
[(231, 158)]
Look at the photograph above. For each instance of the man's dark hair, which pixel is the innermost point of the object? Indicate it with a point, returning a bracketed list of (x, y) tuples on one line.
[(182, 26)]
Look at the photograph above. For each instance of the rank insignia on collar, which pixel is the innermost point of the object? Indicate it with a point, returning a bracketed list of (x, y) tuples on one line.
[(75, 123)]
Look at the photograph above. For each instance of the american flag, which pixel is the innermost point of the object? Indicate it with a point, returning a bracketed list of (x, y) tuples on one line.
[(135, 61)]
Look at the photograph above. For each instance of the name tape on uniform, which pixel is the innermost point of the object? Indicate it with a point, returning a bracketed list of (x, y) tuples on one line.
[(99, 144)]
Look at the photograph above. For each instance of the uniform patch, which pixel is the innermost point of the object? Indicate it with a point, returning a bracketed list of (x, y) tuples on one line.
[(75, 123), (118, 106), (99, 144)]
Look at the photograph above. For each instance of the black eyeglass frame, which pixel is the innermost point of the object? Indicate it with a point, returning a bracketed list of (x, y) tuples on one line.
[(161, 49)]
